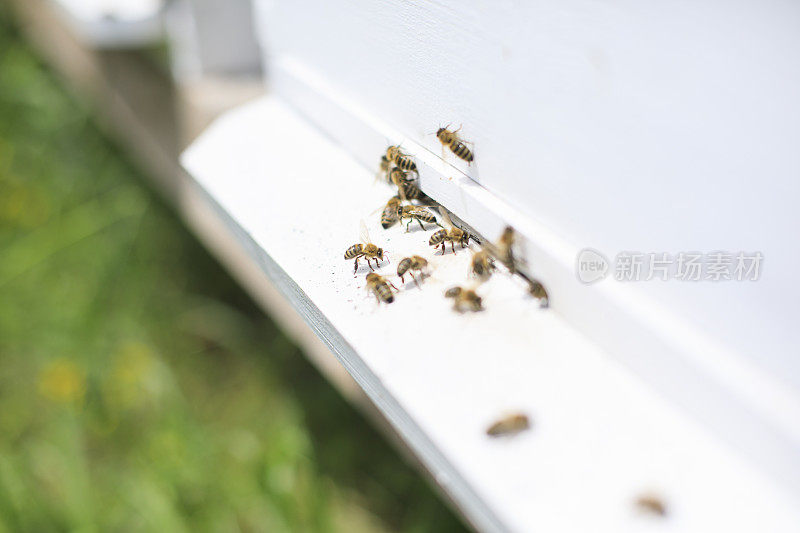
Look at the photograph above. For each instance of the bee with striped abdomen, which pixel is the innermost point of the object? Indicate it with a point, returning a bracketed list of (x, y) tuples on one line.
[(412, 213), (389, 215), (464, 299), (509, 425), (364, 249), (382, 289), (482, 265), (411, 264), (451, 235), (400, 159), (455, 143)]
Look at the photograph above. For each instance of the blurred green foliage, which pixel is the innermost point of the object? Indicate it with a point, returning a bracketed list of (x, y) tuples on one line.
[(140, 389)]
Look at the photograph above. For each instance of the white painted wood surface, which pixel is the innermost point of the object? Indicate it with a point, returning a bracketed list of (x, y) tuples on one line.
[(600, 437), (622, 126)]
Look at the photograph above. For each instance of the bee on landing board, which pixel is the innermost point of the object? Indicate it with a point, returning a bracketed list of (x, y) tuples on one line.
[(482, 265), (400, 159), (364, 249), (505, 245), (652, 504), (412, 213), (455, 143), (452, 235), (380, 288), (509, 425), (412, 264), (464, 299), (389, 215)]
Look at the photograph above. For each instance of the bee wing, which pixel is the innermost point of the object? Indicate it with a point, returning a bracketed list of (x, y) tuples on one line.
[(446, 217), (364, 233)]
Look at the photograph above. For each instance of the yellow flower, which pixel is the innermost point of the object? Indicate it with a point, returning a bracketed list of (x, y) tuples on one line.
[(62, 381)]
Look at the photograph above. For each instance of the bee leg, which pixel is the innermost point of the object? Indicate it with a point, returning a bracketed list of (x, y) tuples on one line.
[(408, 226), (453, 247), (355, 267), (370, 264), (420, 224)]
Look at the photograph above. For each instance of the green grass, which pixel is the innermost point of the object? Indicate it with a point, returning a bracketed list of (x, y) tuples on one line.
[(140, 389)]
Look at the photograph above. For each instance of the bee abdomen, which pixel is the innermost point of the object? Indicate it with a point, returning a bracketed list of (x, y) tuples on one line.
[(425, 216), (354, 251), (404, 266), (410, 190), (384, 293), (389, 216), (461, 150), (438, 237), (405, 162)]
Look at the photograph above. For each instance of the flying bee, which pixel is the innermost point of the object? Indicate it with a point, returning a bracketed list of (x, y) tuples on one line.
[(482, 265), (509, 425), (412, 213), (410, 264), (400, 159), (380, 288), (452, 235), (464, 299), (538, 291), (385, 168), (389, 215), (364, 249), (453, 141)]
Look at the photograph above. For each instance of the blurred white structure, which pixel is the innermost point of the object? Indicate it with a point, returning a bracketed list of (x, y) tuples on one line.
[(109, 24), (624, 127)]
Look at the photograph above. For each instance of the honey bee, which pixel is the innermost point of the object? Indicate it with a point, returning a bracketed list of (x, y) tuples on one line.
[(385, 167), (410, 191), (364, 249), (412, 213), (406, 187), (464, 299), (411, 264), (451, 235), (453, 141), (482, 265), (651, 504), (380, 287), (538, 291), (509, 425), (400, 159), (389, 215)]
